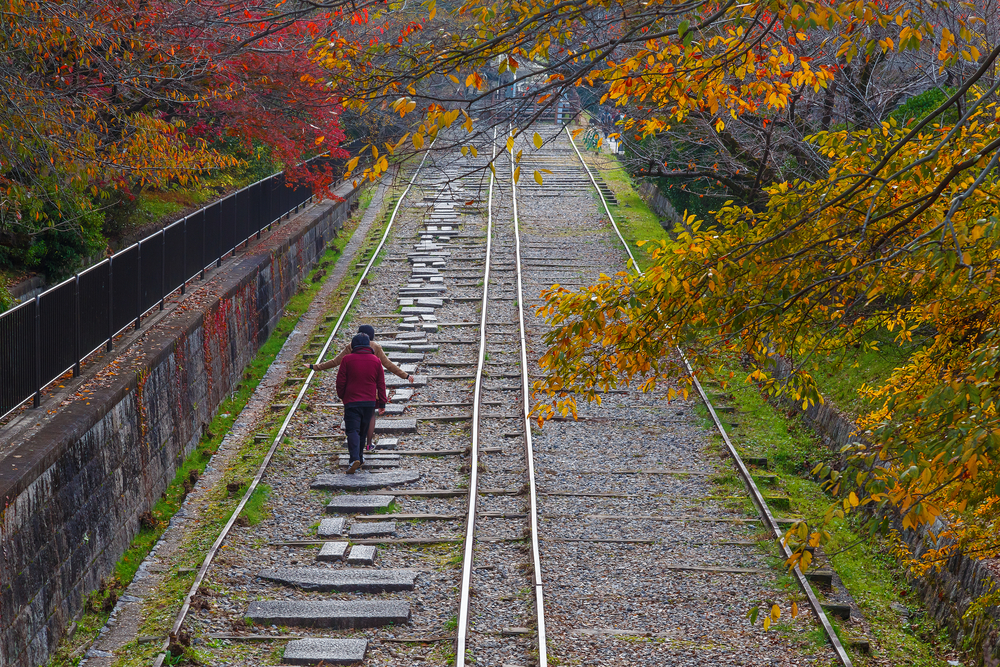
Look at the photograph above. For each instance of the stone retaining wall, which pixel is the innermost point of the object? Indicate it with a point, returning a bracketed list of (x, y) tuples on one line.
[(945, 594), (73, 492), (658, 202)]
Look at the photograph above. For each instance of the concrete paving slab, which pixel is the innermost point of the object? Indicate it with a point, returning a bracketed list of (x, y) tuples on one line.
[(401, 395), (351, 580), (326, 651), (392, 381), (369, 529), (337, 614), (363, 480), (405, 356), (430, 302), (395, 425), (425, 347), (394, 409), (361, 554), (417, 310), (331, 527), (354, 504), (332, 551)]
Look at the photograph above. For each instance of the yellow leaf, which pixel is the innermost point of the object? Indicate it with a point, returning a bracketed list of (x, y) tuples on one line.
[(767, 622), (352, 163), (795, 609), (475, 153), (538, 140), (510, 143), (775, 612), (319, 140), (374, 153), (854, 499), (418, 141), (517, 174), (538, 177)]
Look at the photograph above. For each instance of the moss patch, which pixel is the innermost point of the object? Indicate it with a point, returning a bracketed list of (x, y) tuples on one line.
[(869, 572), (154, 524)]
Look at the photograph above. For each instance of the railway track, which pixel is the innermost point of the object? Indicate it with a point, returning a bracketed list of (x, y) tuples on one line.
[(471, 538)]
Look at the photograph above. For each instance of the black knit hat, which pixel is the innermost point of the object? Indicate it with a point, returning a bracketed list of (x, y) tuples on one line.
[(367, 330), (360, 340)]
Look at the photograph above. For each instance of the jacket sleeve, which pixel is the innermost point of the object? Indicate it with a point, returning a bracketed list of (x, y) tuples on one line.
[(342, 381), (382, 397), (389, 366), (336, 361)]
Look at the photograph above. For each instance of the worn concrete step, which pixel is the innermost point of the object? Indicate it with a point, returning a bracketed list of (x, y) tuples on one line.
[(350, 580), (395, 425), (426, 347), (331, 527), (364, 480), (370, 464), (337, 614), (326, 651), (417, 310), (331, 551), (391, 381), (387, 443), (403, 357), (401, 395), (351, 504), (394, 409), (362, 554), (370, 529), (395, 347)]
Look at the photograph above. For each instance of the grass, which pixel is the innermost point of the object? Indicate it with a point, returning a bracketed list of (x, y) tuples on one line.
[(634, 218), (839, 378), (155, 522), (869, 572)]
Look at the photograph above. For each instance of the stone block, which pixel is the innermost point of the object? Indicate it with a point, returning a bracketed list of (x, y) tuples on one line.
[(392, 381), (405, 357), (326, 651), (352, 504), (371, 529), (394, 409), (363, 480), (417, 310), (430, 302), (395, 425), (332, 551), (401, 395), (362, 554), (387, 443), (336, 614), (331, 528), (426, 347), (329, 580)]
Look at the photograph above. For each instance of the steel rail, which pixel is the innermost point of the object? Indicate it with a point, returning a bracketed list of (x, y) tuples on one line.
[(755, 494), (538, 584), (207, 562), (461, 638)]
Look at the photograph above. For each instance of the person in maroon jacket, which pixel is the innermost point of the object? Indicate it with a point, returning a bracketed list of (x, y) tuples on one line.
[(361, 388)]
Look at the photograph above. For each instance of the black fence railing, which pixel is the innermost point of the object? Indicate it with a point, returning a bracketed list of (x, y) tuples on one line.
[(51, 334)]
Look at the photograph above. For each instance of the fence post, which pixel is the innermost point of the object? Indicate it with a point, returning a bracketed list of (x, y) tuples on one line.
[(163, 267), (76, 330), (184, 257), (38, 351), (111, 306), (138, 297), (204, 231)]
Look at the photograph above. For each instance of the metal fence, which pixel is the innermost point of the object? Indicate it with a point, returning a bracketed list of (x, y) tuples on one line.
[(46, 337)]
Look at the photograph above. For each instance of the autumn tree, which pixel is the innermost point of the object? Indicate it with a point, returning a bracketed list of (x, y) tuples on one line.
[(839, 217), (105, 98)]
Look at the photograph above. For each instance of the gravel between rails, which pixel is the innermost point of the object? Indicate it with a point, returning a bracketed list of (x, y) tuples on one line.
[(631, 601)]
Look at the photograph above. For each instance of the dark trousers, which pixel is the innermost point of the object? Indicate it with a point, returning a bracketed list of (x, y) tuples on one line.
[(357, 416)]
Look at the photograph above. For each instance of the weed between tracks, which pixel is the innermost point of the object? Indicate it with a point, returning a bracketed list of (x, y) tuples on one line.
[(873, 577), (159, 612)]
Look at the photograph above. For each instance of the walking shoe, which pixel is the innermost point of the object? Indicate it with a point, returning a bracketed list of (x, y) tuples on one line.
[(354, 467)]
